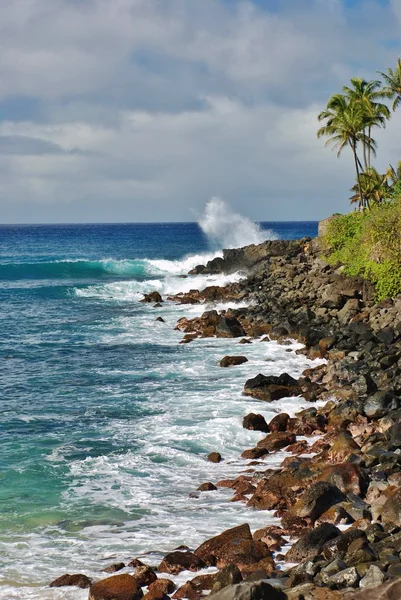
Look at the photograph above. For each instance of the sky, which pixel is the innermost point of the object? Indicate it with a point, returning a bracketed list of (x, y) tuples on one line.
[(141, 110)]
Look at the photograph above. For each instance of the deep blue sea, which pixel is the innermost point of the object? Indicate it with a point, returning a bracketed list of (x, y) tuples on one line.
[(105, 419)]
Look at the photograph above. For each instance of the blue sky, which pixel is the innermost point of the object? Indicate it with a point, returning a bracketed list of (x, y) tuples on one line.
[(141, 110)]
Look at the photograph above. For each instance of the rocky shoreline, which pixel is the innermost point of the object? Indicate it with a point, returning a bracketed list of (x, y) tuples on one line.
[(338, 492)]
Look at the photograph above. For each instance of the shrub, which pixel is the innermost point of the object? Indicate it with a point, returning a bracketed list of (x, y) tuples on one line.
[(369, 245)]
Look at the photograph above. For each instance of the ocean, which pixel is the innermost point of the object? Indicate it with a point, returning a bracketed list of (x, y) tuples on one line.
[(105, 419)]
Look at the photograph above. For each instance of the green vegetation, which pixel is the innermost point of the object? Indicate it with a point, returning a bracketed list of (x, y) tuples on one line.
[(368, 241)]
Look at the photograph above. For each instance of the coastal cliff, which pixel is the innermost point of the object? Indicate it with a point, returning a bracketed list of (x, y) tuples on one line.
[(337, 491)]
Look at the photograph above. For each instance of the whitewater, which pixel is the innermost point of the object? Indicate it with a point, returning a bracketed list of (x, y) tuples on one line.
[(106, 420)]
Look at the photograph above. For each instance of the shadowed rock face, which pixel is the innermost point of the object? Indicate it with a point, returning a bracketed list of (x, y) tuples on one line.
[(258, 590), (239, 259)]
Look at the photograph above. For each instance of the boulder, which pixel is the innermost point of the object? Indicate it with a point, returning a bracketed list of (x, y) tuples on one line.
[(233, 546), (311, 543), (391, 511), (271, 387), (279, 422), (387, 591), (229, 575), (316, 500), (373, 577), (277, 440), (253, 590), (255, 422), (152, 297), (343, 446), (116, 587), (229, 327), (378, 404), (77, 580), (113, 568), (348, 478), (144, 576), (163, 586), (231, 361), (214, 457), (206, 487), (175, 562)]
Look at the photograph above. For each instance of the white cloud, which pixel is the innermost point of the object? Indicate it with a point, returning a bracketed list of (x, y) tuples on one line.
[(159, 105)]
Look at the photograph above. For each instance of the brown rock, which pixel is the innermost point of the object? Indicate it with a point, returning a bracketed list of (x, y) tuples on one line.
[(206, 487), (175, 562), (279, 422), (391, 511), (114, 568), (252, 590), (349, 478), (388, 591), (316, 500), (271, 388), (135, 562), (343, 447), (152, 297), (231, 538), (77, 580), (311, 543), (117, 587), (254, 453), (232, 361), (144, 576), (255, 422), (277, 440), (162, 586), (190, 591), (214, 457)]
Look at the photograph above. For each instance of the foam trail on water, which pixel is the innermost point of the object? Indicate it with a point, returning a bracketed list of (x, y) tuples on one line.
[(228, 229)]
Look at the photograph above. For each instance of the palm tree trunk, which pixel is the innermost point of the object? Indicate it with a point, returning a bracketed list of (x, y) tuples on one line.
[(366, 158), (369, 149), (358, 178)]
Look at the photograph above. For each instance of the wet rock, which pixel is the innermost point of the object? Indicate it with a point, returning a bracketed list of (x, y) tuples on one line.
[(258, 590), (229, 575), (206, 487), (279, 422), (231, 361), (214, 457), (311, 543), (277, 441), (160, 320), (316, 500), (135, 562), (162, 586), (255, 422), (77, 580), (254, 453), (117, 587), (229, 327), (175, 562), (114, 568), (189, 591), (270, 387), (234, 546), (152, 297), (144, 576)]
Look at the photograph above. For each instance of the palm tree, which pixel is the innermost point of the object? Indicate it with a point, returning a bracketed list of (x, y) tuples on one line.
[(345, 126), (366, 93), (394, 175), (374, 187), (393, 80)]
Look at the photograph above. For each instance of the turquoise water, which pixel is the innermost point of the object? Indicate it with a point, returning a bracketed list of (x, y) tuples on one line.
[(105, 420)]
